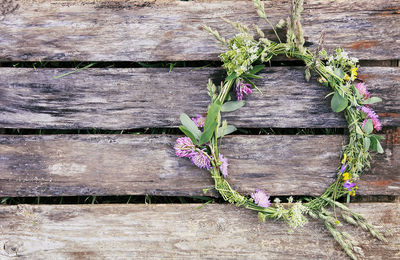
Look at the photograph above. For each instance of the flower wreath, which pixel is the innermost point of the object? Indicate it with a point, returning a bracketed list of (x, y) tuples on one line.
[(242, 61)]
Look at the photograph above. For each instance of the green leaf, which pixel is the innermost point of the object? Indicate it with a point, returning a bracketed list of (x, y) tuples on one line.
[(188, 134), (190, 125), (228, 130), (338, 103), (211, 122), (358, 130), (251, 76), (372, 100), (339, 72), (368, 127), (379, 147), (231, 76), (367, 143), (378, 137), (232, 106), (256, 69), (375, 144)]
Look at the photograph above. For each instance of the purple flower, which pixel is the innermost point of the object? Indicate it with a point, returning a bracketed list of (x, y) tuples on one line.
[(184, 147), (344, 166), (242, 88), (362, 89), (199, 120), (371, 115), (349, 185), (200, 159), (260, 198), (224, 166)]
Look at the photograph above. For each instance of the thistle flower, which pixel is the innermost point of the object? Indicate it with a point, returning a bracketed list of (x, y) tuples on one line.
[(242, 88), (224, 166), (371, 115), (349, 185), (362, 89), (261, 198), (200, 159), (199, 120), (184, 147)]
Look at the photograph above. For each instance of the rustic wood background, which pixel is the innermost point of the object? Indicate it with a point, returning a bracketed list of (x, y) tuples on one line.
[(132, 98)]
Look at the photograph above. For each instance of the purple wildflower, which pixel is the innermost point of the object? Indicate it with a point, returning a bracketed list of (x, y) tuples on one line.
[(200, 159), (261, 198), (224, 166), (344, 166), (199, 120), (184, 147), (371, 115), (242, 88), (362, 89), (349, 185)]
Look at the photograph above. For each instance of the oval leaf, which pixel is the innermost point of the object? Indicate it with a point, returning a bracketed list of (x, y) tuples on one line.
[(228, 130), (372, 100), (232, 106), (338, 103), (368, 127), (188, 134), (190, 125)]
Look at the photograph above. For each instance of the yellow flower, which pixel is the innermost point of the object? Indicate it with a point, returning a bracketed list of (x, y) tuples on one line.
[(352, 193), (346, 77), (353, 73), (346, 176), (344, 158)]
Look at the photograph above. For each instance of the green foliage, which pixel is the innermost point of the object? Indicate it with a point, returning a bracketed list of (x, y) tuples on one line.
[(211, 122), (232, 106), (188, 123), (338, 103)]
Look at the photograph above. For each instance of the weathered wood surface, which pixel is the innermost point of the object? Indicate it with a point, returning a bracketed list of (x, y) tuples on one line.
[(136, 98), (62, 165), (171, 30), (179, 232)]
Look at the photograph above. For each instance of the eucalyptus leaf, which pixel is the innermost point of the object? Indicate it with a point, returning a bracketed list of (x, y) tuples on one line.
[(368, 127), (190, 125), (338, 103), (211, 122), (232, 106), (188, 134), (372, 100), (228, 130)]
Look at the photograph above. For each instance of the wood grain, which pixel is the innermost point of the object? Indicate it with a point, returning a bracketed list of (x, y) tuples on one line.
[(75, 165), (173, 231), (137, 98), (157, 30)]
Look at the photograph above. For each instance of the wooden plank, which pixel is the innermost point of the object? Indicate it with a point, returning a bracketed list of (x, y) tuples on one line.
[(152, 97), (73, 165), (156, 30), (172, 231)]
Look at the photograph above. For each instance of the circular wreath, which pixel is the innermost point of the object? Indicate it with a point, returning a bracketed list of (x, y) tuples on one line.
[(242, 61)]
